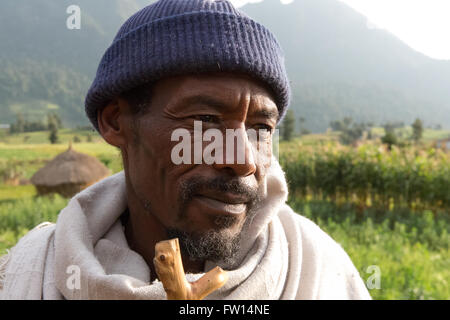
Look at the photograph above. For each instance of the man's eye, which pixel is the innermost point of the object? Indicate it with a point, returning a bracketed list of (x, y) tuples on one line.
[(206, 118), (263, 126)]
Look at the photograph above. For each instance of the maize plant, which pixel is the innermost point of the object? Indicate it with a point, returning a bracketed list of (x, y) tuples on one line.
[(369, 175)]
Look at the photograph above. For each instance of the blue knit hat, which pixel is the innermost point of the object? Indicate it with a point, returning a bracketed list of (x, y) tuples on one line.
[(175, 37)]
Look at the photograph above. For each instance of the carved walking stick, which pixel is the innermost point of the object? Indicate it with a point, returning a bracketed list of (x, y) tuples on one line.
[(170, 271)]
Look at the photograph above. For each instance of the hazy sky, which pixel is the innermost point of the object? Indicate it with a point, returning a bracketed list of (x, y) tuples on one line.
[(423, 24)]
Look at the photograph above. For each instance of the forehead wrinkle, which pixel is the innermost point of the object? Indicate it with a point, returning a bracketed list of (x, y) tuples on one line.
[(229, 101), (204, 99), (193, 91), (222, 93)]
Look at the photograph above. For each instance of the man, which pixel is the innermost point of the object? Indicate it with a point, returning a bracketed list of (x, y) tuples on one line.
[(173, 67)]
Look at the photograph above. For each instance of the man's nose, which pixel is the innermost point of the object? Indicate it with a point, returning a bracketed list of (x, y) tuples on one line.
[(237, 153)]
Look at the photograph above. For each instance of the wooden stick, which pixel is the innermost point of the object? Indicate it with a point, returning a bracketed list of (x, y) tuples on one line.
[(169, 268)]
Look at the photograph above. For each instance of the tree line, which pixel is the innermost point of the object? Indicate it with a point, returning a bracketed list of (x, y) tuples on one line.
[(350, 131), (52, 124)]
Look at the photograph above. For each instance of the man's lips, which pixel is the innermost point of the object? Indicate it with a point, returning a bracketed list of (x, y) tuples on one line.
[(224, 203), (225, 197)]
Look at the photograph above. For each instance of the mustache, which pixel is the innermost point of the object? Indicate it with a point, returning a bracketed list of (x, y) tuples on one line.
[(236, 186)]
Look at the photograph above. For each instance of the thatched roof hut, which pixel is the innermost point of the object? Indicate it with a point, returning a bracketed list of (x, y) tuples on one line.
[(69, 173)]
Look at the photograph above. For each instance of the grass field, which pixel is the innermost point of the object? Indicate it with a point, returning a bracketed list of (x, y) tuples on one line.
[(411, 250), (41, 137), (410, 246)]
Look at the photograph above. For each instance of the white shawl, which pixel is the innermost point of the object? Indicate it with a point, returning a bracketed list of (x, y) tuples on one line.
[(283, 256)]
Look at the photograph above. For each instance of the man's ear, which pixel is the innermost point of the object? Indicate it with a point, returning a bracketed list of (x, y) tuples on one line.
[(111, 122)]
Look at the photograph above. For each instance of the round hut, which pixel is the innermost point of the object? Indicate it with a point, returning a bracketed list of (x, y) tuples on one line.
[(69, 173)]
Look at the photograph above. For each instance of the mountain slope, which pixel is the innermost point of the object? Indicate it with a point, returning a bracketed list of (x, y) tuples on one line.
[(43, 62), (328, 45)]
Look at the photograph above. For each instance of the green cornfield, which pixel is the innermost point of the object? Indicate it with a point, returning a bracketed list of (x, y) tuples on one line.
[(388, 209), (369, 175)]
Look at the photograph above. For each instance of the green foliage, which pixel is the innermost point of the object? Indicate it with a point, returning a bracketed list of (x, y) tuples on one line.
[(24, 125), (53, 136), (54, 121), (19, 216), (417, 127), (390, 139), (388, 209), (350, 132), (411, 249), (288, 126), (303, 129), (29, 212), (368, 175), (9, 170)]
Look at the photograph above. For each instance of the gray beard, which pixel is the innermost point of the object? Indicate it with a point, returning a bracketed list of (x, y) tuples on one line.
[(212, 245), (216, 245)]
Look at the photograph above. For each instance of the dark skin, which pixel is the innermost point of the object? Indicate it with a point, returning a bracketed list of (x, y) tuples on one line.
[(222, 101)]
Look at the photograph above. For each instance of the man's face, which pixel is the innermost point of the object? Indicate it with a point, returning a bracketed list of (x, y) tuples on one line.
[(205, 205)]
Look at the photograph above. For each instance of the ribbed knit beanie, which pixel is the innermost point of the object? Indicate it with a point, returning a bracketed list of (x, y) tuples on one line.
[(176, 37)]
